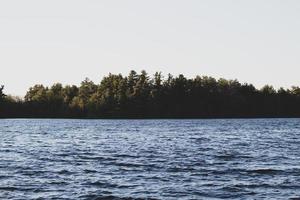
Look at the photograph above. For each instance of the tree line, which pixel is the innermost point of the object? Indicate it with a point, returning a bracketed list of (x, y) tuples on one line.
[(140, 96)]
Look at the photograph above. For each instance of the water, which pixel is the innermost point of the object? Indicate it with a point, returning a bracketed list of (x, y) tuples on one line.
[(150, 159)]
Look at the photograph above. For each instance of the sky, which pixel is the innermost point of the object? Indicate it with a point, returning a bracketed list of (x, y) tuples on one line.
[(49, 41)]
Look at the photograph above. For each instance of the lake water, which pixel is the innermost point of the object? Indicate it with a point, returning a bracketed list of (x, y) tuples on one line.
[(150, 159)]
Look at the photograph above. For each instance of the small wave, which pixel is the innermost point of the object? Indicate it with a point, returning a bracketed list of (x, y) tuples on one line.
[(295, 198), (238, 189), (97, 158), (57, 183), (5, 177), (13, 189), (258, 185), (134, 165), (181, 169), (232, 156), (64, 171), (201, 140), (266, 171), (8, 188), (103, 184), (33, 172), (226, 157), (125, 156), (95, 197), (89, 171), (111, 185)]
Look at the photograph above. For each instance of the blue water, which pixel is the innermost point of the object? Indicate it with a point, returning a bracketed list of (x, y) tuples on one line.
[(150, 159)]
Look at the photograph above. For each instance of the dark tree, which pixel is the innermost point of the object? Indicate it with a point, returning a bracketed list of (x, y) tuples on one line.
[(140, 96)]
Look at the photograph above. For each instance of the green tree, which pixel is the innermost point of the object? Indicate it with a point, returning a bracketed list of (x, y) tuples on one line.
[(268, 90), (2, 95), (69, 93), (85, 92), (37, 93)]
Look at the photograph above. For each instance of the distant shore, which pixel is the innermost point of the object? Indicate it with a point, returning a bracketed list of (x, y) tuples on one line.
[(139, 96)]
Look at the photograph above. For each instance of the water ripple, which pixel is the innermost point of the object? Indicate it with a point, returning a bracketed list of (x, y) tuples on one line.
[(150, 159)]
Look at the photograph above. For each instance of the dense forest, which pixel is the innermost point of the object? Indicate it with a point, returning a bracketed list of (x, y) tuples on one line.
[(142, 96)]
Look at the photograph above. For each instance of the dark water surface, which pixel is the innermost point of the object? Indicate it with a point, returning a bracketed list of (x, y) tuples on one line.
[(150, 159)]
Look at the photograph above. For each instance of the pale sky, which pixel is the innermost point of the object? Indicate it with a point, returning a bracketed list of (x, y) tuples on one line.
[(255, 41)]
